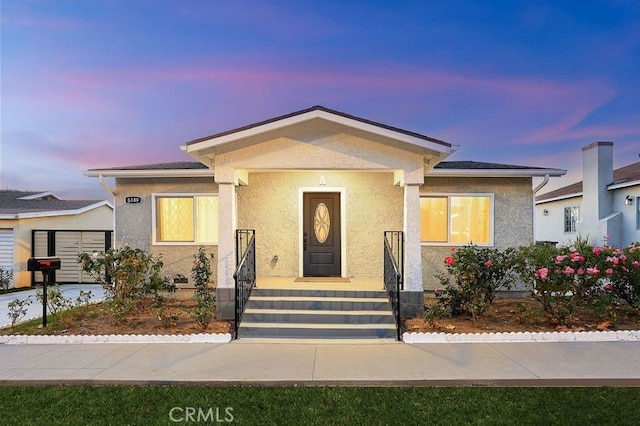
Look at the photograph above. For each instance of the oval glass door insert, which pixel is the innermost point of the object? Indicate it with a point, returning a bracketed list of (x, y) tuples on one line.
[(321, 222)]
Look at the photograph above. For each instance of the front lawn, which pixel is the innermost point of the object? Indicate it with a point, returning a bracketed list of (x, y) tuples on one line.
[(318, 405)]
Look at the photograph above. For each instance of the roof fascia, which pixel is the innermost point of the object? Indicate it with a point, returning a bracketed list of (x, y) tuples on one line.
[(197, 147), (623, 185), (39, 195), (560, 198), (150, 173), (57, 212), (494, 172)]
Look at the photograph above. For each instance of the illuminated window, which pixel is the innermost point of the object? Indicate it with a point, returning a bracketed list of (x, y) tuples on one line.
[(187, 219), (455, 219)]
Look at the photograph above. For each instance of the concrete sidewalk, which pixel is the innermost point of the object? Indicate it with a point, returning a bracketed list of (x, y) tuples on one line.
[(245, 362)]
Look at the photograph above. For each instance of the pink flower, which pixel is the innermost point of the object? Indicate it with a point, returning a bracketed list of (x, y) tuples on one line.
[(449, 260), (609, 271), (568, 270), (635, 264), (581, 271), (453, 249), (561, 258), (613, 260), (607, 287), (597, 251), (593, 271), (576, 257), (542, 273), (488, 263)]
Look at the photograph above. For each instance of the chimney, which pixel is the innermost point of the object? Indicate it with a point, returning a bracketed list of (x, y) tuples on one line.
[(597, 173)]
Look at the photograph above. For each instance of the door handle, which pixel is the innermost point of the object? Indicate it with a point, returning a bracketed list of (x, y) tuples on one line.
[(304, 242)]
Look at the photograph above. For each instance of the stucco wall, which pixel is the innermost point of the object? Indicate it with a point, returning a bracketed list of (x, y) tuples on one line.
[(622, 230), (270, 204), (100, 218), (513, 215), (550, 227), (134, 221)]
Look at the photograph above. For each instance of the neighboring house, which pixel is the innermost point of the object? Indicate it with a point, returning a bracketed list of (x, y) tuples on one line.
[(605, 203), (41, 224), (320, 187)]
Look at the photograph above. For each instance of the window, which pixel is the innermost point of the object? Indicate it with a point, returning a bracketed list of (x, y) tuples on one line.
[(571, 216), (186, 219), (457, 219)]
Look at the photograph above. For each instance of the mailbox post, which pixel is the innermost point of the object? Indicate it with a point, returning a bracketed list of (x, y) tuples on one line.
[(46, 265)]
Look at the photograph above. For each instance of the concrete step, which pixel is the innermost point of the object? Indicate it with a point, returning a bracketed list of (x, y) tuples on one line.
[(317, 314)]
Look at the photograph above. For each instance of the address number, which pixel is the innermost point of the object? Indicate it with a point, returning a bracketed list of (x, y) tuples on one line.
[(132, 200)]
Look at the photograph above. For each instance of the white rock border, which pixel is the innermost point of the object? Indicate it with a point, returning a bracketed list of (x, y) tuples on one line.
[(22, 339), (523, 337)]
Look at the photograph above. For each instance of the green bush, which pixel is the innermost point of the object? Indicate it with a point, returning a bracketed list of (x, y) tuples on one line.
[(6, 278), (474, 276), (204, 311)]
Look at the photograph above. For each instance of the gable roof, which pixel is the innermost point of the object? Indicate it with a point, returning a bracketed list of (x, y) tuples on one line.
[(28, 204), (624, 176), (328, 111), (173, 169), (206, 146)]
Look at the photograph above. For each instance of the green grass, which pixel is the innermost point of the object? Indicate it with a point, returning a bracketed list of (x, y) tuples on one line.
[(321, 405)]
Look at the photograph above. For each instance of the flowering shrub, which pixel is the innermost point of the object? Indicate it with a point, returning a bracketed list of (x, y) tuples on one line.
[(581, 274), (473, 277)]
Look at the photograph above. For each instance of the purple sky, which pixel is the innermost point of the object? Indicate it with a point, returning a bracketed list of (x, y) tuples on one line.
[(89, 84)]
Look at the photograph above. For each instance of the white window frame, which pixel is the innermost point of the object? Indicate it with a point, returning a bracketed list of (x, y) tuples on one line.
[(564, 219), (154, 230), (448, 196)]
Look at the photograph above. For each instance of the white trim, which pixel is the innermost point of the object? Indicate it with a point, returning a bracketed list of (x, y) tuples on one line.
[(193, 195), (343, 224), (448, 195), (150, 173), (623, 185), (560, 198), (56, 212), (494, 172), (39, 195), (300, 118)]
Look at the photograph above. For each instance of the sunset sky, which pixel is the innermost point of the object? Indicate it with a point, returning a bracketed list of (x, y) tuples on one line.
[(90, 84)]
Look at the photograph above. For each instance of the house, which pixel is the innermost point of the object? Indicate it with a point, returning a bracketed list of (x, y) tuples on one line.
[(36, 223), (320, 187), (605, 203)]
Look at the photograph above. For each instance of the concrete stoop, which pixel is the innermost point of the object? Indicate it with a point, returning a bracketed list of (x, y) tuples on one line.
[(317, 314)]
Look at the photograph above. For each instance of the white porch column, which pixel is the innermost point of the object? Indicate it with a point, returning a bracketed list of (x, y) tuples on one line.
[(412, 247), (225, 285)]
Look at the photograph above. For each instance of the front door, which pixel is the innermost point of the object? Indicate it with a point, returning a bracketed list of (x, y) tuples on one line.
[(321, 234)]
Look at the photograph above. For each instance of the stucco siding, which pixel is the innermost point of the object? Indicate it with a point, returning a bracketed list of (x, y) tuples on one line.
[(513, 216), (550, 227), (134, 222), (270, 205)]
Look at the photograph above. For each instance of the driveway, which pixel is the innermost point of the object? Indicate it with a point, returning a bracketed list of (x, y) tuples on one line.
[(70, 291)]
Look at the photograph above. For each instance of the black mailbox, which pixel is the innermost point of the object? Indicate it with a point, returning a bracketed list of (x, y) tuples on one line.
[(43, 263)]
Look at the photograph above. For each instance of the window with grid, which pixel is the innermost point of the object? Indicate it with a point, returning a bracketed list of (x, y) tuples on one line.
[(186, 219), (571, 216), (457, 219)]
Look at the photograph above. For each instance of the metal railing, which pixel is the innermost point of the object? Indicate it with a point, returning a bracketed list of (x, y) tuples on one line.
[(393, 272), (245, 274)]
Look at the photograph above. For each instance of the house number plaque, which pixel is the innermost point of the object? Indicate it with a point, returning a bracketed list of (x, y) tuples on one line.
[(132, 200)]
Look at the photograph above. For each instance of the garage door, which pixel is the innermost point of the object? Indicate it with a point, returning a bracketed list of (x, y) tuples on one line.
[(6, 248)]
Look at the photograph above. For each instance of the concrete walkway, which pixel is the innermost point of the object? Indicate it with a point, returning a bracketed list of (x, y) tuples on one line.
[(245, 362), (70, 291)]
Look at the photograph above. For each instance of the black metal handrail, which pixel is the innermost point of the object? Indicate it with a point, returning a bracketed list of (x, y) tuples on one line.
[(245, 274), (393, 272)]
